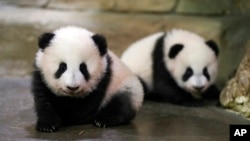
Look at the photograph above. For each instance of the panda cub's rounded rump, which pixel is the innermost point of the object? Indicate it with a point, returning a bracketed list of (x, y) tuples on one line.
[(78, 80)]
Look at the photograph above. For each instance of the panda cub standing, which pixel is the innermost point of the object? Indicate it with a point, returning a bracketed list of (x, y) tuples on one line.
[(78, 80), (178, 66)]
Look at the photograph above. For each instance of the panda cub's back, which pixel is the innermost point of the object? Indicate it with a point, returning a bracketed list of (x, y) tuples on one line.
[(138, 57), (123, 79)]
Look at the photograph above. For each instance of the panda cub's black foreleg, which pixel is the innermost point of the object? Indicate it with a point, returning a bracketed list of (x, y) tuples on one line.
[(48, 120), (165, 92), (117, 111), (212, 93)]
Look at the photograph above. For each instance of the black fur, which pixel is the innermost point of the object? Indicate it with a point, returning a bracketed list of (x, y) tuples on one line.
[(84, 70), (55, 111), (213, 46), (61, 69), (212, 93), (101, 43), (44, 40), (175, 49), (165, 88), (188, 73), (144, 86), (118, 111), (206, 74)]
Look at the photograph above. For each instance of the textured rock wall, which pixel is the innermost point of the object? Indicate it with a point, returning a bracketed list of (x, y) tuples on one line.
[(236, 94), (197, 7)]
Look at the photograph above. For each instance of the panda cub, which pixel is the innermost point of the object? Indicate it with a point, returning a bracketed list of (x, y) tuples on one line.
[(178, 67), (77, 80)]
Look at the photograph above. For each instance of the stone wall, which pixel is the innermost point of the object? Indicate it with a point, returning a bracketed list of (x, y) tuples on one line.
[(195, 7), (55, 4)]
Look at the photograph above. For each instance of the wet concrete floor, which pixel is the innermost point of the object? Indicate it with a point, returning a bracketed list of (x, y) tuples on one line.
[(155, 121)]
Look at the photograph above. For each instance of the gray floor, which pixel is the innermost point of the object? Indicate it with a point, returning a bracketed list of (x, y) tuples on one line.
[(155, 121)]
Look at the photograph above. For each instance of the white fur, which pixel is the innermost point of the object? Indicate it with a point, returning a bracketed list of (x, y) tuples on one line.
[(124, 80), (74, 46), (138, 57), (196, 54)]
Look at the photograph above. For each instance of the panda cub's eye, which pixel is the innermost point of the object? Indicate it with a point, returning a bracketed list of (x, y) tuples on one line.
[(188, 73), (62, 66), (84, 71), (205, 72), (61, 69)]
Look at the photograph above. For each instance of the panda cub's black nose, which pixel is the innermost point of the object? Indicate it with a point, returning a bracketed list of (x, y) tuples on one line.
[(72, 88), (198, 88)]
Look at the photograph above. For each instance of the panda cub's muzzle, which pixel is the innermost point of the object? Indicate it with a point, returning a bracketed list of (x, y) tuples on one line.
[(72, 90), (198, 88), (198, 84)]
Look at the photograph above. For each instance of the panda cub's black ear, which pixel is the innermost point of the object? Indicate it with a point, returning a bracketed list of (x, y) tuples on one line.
[(45, 39), (213, 46), (101, 43), (174, 50)]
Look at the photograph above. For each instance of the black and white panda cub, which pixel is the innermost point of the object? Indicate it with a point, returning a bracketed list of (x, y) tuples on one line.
[(178, 66), (77, 80)]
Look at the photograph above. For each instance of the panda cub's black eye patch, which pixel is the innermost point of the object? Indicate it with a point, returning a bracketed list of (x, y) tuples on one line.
[(188, 73), (205, 72), (84, 70), (61, 69)]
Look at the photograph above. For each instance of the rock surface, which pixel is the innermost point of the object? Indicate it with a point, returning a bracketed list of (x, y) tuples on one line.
[(204, 7), (236, 94)]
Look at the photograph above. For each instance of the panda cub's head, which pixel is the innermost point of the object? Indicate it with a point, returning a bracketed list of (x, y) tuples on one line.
[(191, 61), (71, 60)]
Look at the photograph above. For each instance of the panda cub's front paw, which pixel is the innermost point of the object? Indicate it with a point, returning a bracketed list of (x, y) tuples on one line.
[(48, 127), (99, 124)]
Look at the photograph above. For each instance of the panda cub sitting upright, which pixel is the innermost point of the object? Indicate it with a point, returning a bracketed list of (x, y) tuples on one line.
[(77, 80), (178, 66)]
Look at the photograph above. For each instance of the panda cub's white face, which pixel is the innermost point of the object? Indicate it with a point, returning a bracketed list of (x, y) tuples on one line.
[(195, 73), (192, 61), (70, 62)]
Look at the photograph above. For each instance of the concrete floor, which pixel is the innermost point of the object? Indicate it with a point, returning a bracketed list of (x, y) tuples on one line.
[(155, 121)]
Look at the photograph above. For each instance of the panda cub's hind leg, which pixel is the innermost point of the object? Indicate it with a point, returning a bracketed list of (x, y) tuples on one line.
[(117, 111)]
